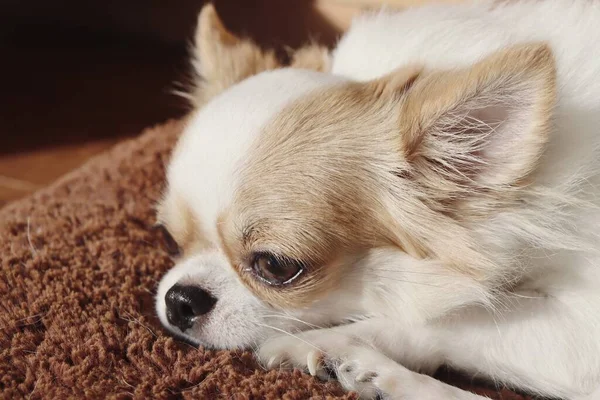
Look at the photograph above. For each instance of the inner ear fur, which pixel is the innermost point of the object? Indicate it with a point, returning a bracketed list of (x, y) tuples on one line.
[(479, 128)]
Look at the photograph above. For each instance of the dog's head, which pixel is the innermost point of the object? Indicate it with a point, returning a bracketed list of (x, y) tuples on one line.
[(299, 199)]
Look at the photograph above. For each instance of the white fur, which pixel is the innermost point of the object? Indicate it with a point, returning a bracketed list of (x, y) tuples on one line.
[(543, 336), (238, 310), (224, 130), (203, 171), (562, 289)]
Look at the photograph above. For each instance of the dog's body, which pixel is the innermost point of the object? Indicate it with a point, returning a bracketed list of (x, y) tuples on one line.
[(434, 198)]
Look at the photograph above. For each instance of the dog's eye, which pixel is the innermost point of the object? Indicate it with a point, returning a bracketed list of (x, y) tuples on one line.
[(169, 243), (276, 270)]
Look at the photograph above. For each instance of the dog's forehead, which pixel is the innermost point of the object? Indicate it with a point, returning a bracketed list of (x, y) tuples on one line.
[(219, 137)]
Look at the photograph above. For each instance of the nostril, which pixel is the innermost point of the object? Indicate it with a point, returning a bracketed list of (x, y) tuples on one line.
[(186, 311), (185, 303)]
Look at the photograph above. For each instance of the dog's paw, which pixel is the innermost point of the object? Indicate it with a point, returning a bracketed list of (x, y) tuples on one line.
[(326, 354), (314, 351), (369, 373)]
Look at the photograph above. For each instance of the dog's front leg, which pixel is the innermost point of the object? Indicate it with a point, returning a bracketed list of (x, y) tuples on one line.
[(359, 355), (544, 344), (544, 340)]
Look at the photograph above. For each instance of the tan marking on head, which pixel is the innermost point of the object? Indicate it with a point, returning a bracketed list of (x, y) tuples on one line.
[(365, 165), (177, 217), (393, 162), (239, 245), (309, 188), (398, 82), (231, 247)]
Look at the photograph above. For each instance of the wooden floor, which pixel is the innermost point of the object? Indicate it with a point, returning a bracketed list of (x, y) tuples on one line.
[(69, 93), (70, 96)]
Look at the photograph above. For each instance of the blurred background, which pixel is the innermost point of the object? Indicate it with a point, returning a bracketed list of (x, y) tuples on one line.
[(78, 76)]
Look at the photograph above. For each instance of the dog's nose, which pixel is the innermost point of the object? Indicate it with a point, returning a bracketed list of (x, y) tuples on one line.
[(185, 303)]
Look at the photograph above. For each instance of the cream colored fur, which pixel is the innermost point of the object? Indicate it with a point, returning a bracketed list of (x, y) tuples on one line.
[(436, 177)]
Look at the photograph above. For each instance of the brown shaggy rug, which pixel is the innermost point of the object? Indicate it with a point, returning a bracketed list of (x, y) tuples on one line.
[(79, 267)]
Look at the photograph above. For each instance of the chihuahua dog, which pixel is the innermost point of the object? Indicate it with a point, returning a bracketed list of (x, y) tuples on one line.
[(427, 193)]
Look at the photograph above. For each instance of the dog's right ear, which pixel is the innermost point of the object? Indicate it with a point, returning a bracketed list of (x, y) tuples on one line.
[(221, 59)]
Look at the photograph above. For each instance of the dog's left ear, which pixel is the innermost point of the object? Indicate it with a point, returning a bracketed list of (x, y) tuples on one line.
[(477, 129), (222, 59)]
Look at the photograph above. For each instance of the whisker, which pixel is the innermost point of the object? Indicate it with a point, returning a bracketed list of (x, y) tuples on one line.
[(289, 334), (414, 272), (409, 282), (523, 296), (293, 319), (286, 312), (31, 246)]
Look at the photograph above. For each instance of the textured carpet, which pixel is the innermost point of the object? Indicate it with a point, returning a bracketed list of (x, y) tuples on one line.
[(79, 266)]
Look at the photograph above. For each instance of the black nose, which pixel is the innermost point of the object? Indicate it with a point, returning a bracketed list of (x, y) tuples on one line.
[(185, 303)]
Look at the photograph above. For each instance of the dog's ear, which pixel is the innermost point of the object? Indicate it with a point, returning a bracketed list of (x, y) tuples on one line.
[(481, 128), (222, 59), (312, 56)]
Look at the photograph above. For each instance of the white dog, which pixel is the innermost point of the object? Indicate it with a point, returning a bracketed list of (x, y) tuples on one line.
[(426, 194)]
